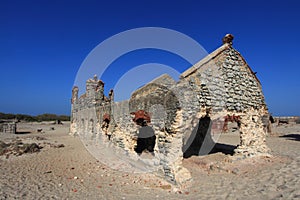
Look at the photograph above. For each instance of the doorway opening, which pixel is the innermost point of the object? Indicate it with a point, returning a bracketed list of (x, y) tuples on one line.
[(208, 138), (200, 141)]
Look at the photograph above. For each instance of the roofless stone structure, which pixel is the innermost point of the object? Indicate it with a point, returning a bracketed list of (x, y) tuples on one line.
[(8, 126), (183, 114)]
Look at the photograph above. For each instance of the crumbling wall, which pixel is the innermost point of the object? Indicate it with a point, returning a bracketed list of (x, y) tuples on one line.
[(252, 134), (158, 99), (227, 86), (124, 130), (88, 110), (8, 127), (220, 85)]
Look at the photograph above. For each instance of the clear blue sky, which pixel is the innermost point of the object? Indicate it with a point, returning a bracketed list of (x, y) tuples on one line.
[(43, 43)]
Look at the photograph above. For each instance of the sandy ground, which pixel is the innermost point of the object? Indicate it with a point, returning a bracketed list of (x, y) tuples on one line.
[(68, 171)]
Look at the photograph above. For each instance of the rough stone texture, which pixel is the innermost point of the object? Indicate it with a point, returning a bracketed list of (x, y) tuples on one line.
[(8, 127), (222, 84), (159, 100)]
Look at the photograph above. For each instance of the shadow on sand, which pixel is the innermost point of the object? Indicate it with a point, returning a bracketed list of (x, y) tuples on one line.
[(223, 148), (201, 143), (22, 132), (295, 137), (226, 149)]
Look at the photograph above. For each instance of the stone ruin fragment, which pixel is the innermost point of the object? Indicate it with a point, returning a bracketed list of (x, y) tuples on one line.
[(219, 88), (8, 126)]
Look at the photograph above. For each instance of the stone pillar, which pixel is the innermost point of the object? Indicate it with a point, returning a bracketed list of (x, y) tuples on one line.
[(90, 89), (73, 128), (100, 90), (75, 95), (111, 95), (252, 135)]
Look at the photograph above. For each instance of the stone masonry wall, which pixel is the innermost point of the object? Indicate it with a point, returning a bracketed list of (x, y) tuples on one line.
[(8, 127), (220, 85)]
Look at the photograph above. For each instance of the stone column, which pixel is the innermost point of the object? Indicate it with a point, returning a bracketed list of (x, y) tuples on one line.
[(252, 135), (100, 90), (75, 94)]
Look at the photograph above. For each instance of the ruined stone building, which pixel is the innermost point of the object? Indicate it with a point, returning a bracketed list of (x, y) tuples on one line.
[(183, 114), (8, 127)]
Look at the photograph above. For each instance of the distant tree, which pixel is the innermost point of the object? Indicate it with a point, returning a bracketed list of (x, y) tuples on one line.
[(29, 118), (7, 116), (25, 117), (46, 117), (64, 118), (52, 117)]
